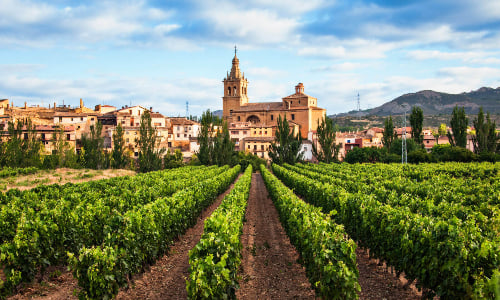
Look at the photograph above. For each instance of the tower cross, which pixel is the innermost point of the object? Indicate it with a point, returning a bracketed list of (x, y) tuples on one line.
[(234, 49)]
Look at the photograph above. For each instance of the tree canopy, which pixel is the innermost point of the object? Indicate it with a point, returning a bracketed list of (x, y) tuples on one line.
[(286, 146)]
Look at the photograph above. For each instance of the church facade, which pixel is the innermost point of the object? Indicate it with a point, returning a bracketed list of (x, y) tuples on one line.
[(301, 110)]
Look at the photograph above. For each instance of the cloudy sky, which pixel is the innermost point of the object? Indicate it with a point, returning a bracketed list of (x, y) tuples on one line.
[(164, 53)]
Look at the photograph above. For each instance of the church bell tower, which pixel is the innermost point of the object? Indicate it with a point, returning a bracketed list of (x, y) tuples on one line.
[(235, 89)]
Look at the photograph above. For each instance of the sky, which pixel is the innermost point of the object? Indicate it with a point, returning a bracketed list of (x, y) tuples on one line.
[(162, 54)]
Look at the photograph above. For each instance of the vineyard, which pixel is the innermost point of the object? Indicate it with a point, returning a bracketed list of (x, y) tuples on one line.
[(438, 224)]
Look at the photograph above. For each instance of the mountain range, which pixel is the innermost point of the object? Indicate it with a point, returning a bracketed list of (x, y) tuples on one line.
[(437, 103)]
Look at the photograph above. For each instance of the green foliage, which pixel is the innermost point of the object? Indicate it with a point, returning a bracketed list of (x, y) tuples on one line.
[(442, 131), (144, 233), (150, 157), (328, 150), (39, 226), (10, 172), (417, 121), (93, 148), (216, 147), (247, 158), (389, 133), (173, 160), (214, 261), (458, 124), (419, 156), (121, 159), (438, 223), (448, 153), (485, 139), (327, 253), (396, 146), (286, 145), (23, 149), (367, 155)]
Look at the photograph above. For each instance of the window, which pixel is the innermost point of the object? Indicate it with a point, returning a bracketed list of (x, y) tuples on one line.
[(71, 119), (91, 119), (272, 117), (178, 135), (230, 112), (81, 118), (229, 91), (170, 144), (260, 132), (25, 136), (60, 119), (255, 132), (43, 136), (136, 154), (293, 116), (185, 135), (254, 147), (68, 137), (239, 118), (262, 147), (244, 132), (123, 122), (248, 146), (234, 91)]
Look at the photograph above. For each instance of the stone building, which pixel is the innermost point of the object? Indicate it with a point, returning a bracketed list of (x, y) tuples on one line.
[(298, 107)]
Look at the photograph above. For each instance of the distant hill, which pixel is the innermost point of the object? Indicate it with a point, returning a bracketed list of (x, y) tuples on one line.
[(436, 103)]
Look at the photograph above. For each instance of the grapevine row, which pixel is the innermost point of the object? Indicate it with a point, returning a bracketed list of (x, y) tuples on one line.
[(141, 235), (214, 261), (450, 257), (43, 236), (328, 254)]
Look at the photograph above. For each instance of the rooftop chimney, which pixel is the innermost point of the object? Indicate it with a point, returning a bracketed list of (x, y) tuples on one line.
[(81, 103), (25, 105)]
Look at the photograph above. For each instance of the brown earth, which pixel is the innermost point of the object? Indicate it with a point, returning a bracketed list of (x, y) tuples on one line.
[(59, 176), (269, 268)]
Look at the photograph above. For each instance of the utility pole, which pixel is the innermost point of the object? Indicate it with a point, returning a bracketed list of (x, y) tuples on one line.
[(187, 109)]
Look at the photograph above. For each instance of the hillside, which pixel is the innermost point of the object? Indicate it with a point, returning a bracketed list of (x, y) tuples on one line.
[(436, 103)]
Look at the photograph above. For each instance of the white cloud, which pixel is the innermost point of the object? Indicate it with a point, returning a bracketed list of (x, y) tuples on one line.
[(479, 57), (256, 26)]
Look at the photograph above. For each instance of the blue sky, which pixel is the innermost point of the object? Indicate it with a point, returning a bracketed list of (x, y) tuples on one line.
[(164, 53)]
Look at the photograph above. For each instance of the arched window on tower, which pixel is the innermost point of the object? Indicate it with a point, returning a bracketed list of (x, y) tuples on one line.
[(234, 93), (229, 91)]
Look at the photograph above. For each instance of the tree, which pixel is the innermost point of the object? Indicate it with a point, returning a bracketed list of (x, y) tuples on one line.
[(389, 134), (150, 157), (216, 146), (485, 139), (93, 147), (328, 150), (458, 124), (417, 121), (286, 145), (442, 129), (63, 155), (23, 149), (119, 155)]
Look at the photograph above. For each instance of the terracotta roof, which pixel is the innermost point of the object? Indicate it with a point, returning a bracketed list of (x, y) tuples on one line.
[(261, 106), (181, 121), (52, 128), (70, 114), (157, 115), (259, 139)]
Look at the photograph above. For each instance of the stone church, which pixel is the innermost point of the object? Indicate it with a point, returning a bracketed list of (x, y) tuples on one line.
[(299, 108)]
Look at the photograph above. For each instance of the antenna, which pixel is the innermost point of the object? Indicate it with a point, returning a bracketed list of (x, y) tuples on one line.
[(187, 109), (359, 108)]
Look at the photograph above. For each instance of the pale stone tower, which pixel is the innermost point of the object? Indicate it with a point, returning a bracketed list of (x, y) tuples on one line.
[(235, 89)]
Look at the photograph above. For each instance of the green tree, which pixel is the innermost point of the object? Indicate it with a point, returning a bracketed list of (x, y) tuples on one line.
[(216, 146), (327, 151), (286, 145), (63, 155), (485, 139), (93, 148), (389, 133), (23, 149), (442, 129), (458, 124), (417, 121), (150, 157), (120, 159)]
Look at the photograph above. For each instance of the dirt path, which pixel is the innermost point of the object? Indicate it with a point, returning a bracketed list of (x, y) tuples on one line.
[(164, 280), (378, 283), (269, 264)]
